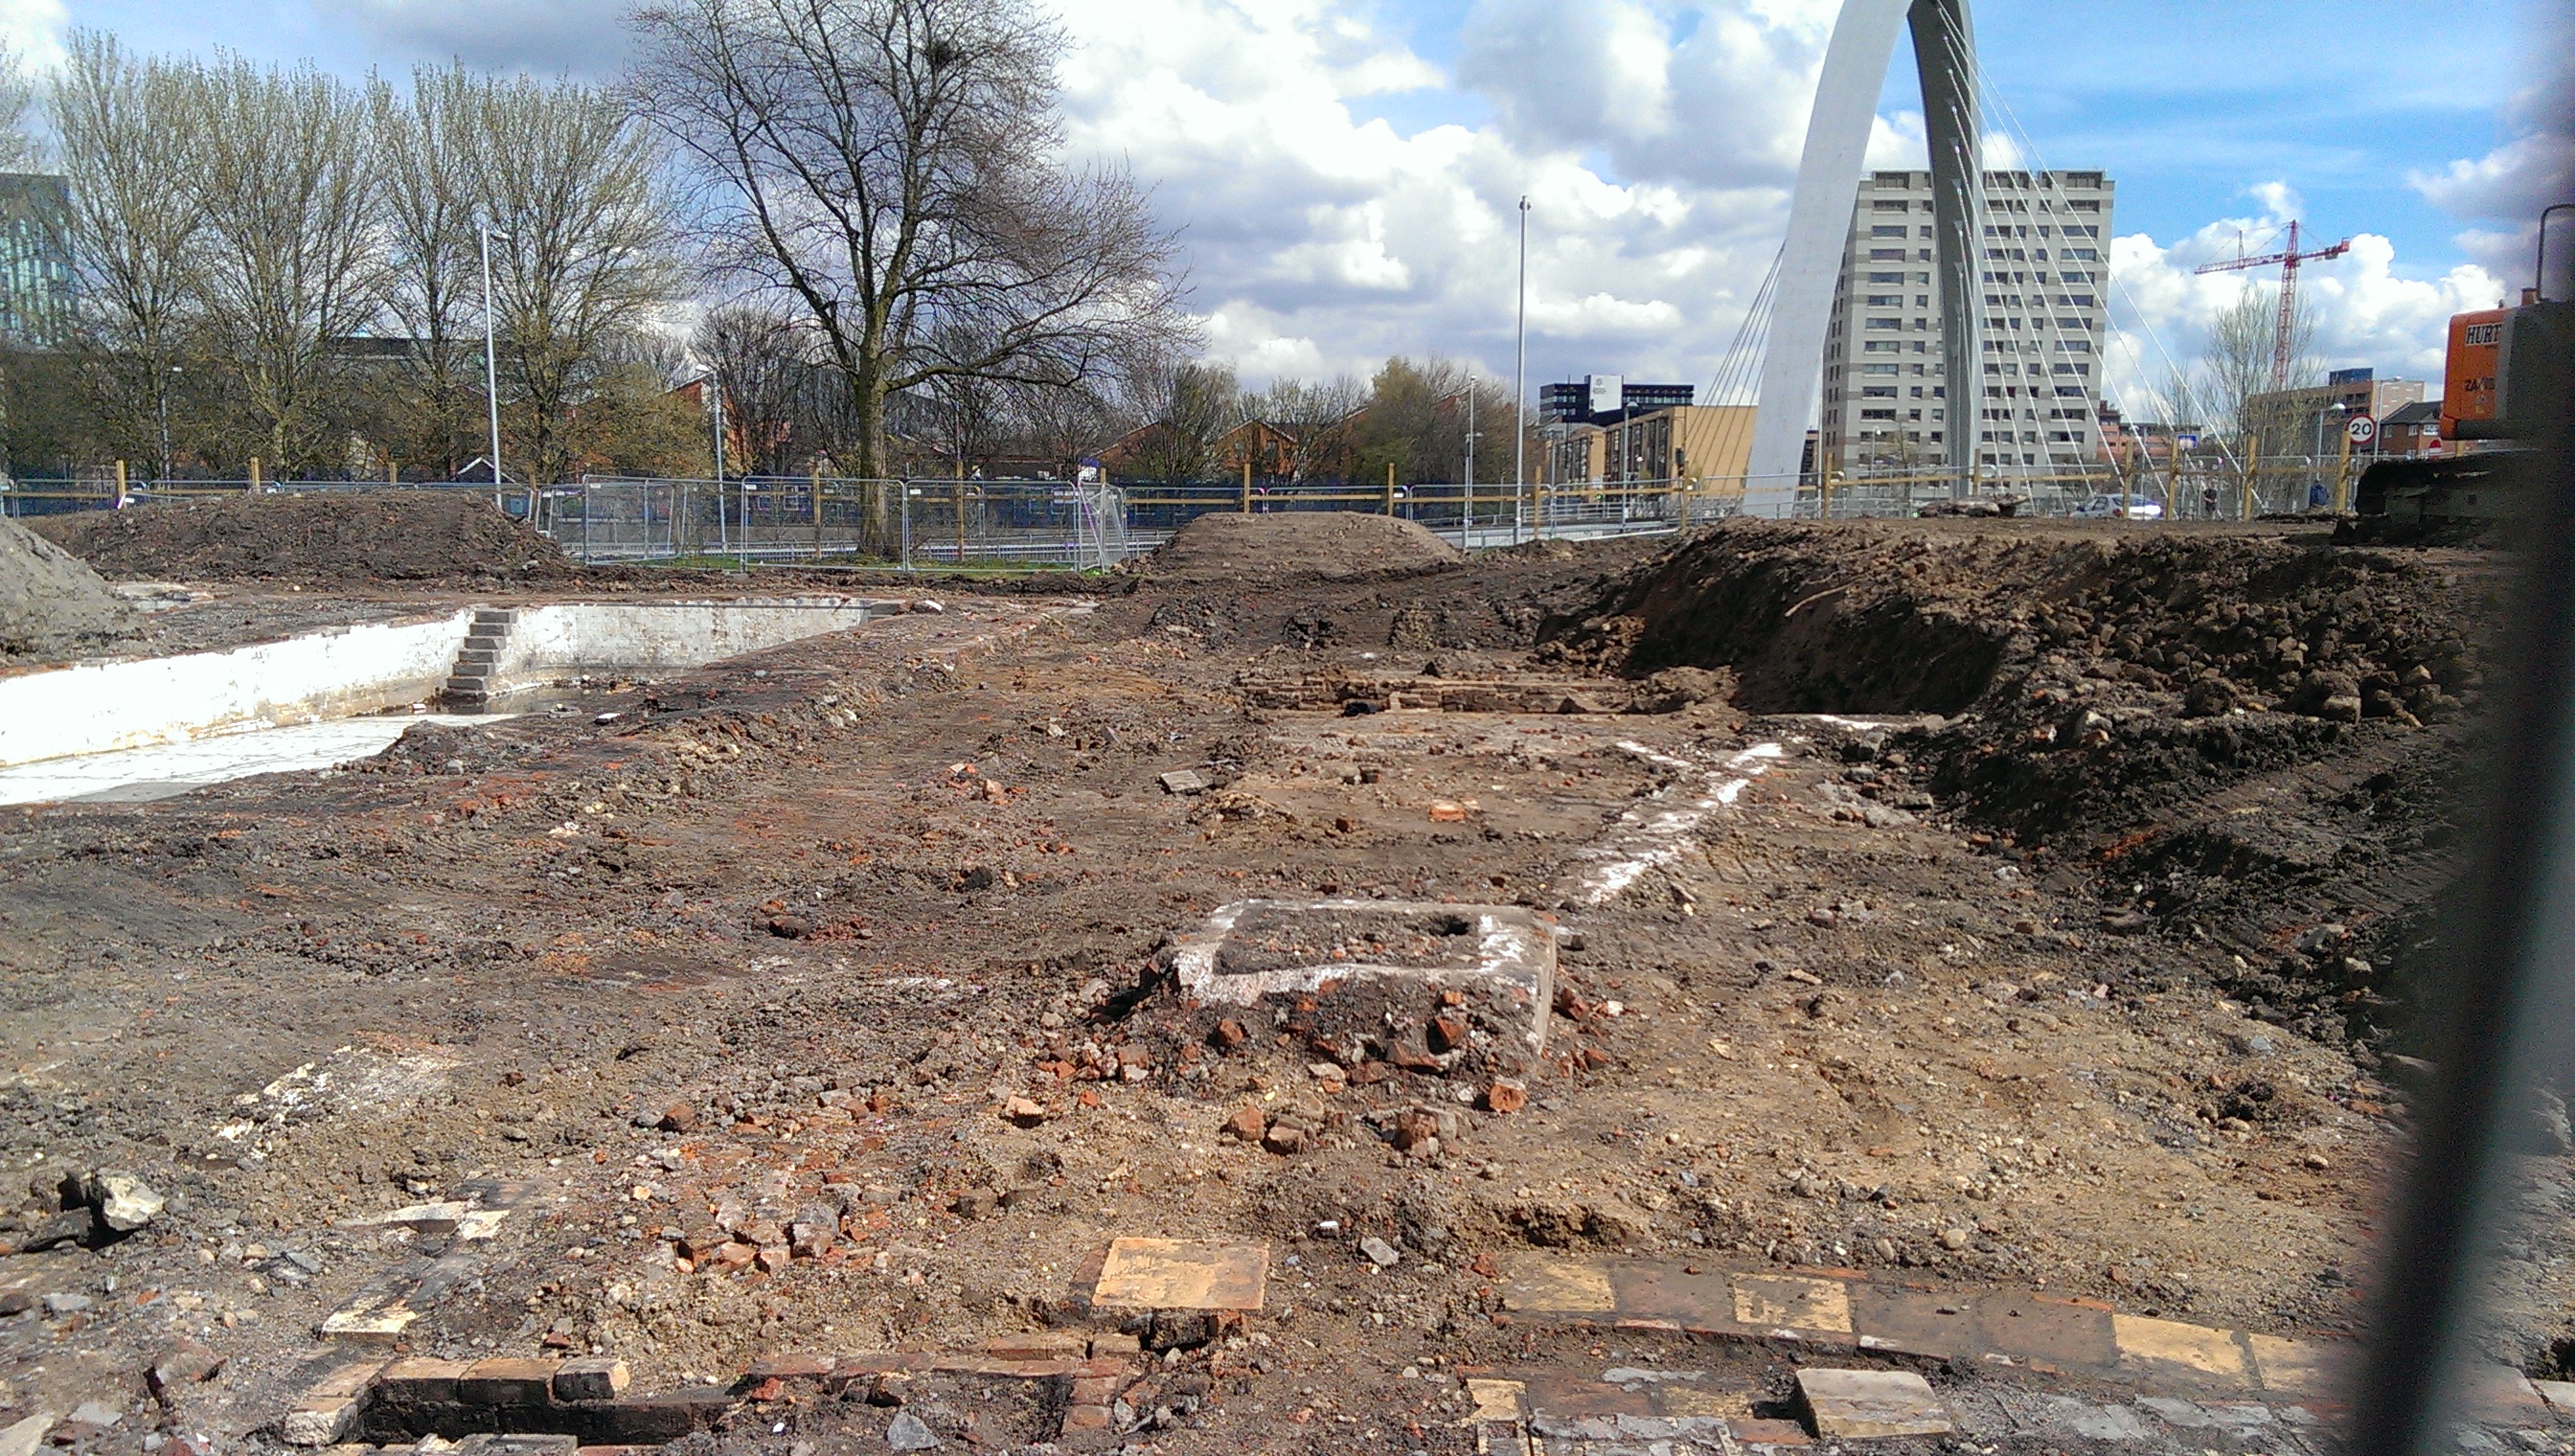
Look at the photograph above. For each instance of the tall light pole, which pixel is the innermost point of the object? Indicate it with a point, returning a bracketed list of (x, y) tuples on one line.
[(492, 370), (165, 424), (1520, 385), (1467, 501)]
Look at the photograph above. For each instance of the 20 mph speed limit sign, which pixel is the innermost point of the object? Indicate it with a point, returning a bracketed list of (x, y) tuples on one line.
[(2361, 430)]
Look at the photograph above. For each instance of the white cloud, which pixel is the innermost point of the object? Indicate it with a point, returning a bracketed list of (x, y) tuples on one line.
[(35, 30), (2367, 314), (1657, 149), (584, 37), (2511, 182)]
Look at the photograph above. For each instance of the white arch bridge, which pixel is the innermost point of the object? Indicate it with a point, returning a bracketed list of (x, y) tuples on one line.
[(1819, 213)]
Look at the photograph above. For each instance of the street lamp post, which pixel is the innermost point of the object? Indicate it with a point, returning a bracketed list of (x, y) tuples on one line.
[(2338, 409), (165, 424), (492, 371), (1519, 386), (1466, 509)]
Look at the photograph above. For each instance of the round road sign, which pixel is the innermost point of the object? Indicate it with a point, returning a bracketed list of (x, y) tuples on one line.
[(2361, 430)]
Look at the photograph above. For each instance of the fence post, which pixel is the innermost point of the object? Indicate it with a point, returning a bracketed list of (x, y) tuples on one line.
[(120, 485), (1389, 489), (1247, 485), (393, 473), (2252, 480), (817, 508), (254, 474), (903, 518), (961, 513)]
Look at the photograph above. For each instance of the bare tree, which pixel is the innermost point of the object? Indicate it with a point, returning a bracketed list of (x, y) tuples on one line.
[(572, 178), (1316, 419), (892, 166), (2233, 385), (1192, 405), (1417, 422), (129, 152), (1064, 426), (20, 150), (287, 182), (429, 143), (760, 360)]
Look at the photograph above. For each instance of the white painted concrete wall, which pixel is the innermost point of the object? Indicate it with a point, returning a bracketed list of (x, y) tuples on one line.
[(647, 637), (96, 707)]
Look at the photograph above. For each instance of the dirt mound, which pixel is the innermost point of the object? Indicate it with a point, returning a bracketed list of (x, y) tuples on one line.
[(312, 535), (2245, 735), (51, 605), (1326, 545)]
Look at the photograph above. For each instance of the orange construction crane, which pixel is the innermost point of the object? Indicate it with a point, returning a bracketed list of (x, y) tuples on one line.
[(2288, 258)]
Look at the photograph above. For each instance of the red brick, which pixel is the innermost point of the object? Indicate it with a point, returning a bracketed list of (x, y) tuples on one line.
[(1506, 1095), (792, 1367), (508, 1381), (422, 1381), (1038, 1345), (1247, 1124), (344, 1381), (595, 1377), (1091, 1390)]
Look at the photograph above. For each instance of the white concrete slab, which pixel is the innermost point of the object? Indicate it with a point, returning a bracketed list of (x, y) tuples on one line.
[(139, 776)]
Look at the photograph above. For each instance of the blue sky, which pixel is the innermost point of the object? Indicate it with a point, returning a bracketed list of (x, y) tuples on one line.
[(1345, 170)]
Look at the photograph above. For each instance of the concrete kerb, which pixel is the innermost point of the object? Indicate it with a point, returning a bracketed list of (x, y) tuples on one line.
[(1511, 949), (1837, 1311), (402, 1400)]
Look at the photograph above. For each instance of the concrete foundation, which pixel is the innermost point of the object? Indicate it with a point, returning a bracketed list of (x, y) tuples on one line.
[(96, 707), (1254, 949)]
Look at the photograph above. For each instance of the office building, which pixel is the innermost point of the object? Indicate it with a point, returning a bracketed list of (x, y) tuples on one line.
[(1693, 443), (2044, 318), (1605, 399), (35, 268)]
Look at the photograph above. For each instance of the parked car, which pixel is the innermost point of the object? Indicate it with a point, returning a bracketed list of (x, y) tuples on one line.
[(2113, 507)]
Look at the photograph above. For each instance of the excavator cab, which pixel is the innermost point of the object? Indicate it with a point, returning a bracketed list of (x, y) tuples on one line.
[(2510, 374)]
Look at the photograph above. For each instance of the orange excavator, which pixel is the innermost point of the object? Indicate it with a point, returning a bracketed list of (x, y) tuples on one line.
[(2509, 369)]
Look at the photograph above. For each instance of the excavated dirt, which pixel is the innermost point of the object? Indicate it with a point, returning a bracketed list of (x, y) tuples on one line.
[(308, 537), (1321, 545), (2245, 735), (1897, 962), (51, 605)]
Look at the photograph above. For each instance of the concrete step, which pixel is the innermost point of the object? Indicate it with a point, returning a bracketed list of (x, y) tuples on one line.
[(496, 613), (480, 652), (487, 632), (463, 683)]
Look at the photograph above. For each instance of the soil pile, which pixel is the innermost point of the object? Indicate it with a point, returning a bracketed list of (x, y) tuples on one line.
[(1323, 544), (51, 605), (313, 536), (2255, 735)]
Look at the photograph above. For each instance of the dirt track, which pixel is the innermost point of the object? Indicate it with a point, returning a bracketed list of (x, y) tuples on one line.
[(2010, 993)]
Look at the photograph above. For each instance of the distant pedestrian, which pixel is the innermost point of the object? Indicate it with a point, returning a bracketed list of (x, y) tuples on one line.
[(2208, 502)]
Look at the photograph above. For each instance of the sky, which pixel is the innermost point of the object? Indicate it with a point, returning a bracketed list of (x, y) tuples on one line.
[(1345, 174)]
